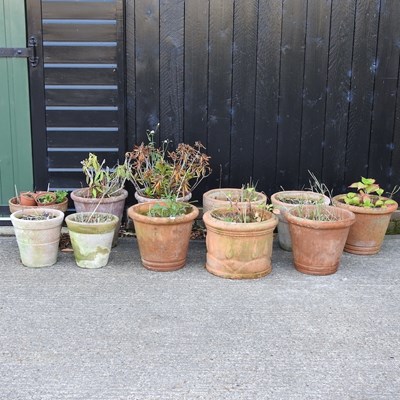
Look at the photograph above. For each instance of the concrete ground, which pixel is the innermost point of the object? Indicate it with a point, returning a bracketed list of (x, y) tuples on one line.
[(123, 332)]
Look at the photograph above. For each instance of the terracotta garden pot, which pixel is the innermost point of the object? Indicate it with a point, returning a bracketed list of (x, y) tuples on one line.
[(13, 205), (368, 232), (163, 242), (27, 199), (144, 199), (45, 199), (239, 250), (279, 200), (38, 240), (112, 205), (219, 198), (318, 245), (91, 241)]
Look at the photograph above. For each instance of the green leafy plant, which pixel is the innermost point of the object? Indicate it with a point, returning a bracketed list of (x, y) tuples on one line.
[(102, 180), (45, 198), (169, 208), (369, 195), (61, 195), (159, 173)]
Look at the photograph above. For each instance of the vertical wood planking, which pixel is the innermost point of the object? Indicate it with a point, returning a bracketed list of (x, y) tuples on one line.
[(291, 92), (171, 69), (267, 94), (314, 94), (386, 86), (220, 90), (243, 91), (337, 102), (362, 85), (147, 67)]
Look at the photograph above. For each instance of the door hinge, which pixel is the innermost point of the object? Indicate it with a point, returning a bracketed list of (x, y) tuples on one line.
[(25, 52)]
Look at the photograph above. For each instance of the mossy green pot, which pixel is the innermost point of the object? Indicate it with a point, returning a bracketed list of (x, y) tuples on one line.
[(91, 241)]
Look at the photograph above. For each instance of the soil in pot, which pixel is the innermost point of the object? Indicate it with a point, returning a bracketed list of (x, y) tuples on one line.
[(163, 241), (318, 235)]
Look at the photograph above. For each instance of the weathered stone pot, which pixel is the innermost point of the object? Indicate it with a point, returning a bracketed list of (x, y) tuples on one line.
[(163, 242), (223, 197), (285, 201), (91, 241), (112, 205), (368, 232), (38, 240), (144, 199), (318, 245), (239, 250)]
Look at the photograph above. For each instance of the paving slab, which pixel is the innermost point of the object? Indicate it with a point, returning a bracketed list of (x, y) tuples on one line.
[(123, 332)]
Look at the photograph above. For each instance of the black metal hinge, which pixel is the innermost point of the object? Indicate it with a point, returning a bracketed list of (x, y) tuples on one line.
[(26, 52)]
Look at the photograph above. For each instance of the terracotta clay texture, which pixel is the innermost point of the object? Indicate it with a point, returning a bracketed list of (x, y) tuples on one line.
[(239, 250), (368, 232), (318, 245), (163, 242)]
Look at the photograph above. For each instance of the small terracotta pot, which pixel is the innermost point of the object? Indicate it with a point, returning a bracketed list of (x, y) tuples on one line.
[(239, 250), (163, 242), (27, 199), (42, 195), (278, 200), (318, 245), (367, 234), (219, 198)]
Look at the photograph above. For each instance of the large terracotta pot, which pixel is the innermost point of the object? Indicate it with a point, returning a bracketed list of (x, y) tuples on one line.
[(91, 241), (318, 245), (38, 240), (239, 250), (279, 202), (367, 234), (163, 242), (111, 205), (219, 198), (143, 199)]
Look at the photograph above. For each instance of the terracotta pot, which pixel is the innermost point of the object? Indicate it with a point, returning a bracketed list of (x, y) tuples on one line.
[(143, 199), (218, 198), (27, 199), (39, 196), (239, 250), (278, 200), (318, 245), (367, 234), (112, 205), (13, 205), (163, 242), (91, 241), (38, 240)]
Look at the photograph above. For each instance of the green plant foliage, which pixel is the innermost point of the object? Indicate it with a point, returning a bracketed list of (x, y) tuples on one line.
[(369, 195), (170, 208), (61, 195), (244, 215)]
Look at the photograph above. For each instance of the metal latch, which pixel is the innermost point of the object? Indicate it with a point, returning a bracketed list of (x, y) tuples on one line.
[(26, 52)]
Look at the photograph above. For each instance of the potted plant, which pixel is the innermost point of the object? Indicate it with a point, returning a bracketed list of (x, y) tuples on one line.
[(61, 202), (223, 197), (318, 235), (37, 231), (27, 199), (105, 192), (157, 173), (239, 241), (372, 212), (45, 198), (163, 232), (91, 235)]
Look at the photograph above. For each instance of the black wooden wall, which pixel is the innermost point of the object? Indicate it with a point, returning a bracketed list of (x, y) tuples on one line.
[(273, 88)]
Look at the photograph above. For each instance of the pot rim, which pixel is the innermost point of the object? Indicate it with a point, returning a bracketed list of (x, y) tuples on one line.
[(261, 195), (76, 195), (70, 218), (135, 215), (348, 218), (389, 209), (309, 194), (59, 216)]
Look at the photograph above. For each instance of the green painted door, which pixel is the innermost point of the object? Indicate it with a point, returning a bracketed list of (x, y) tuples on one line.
[(15, 131)]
